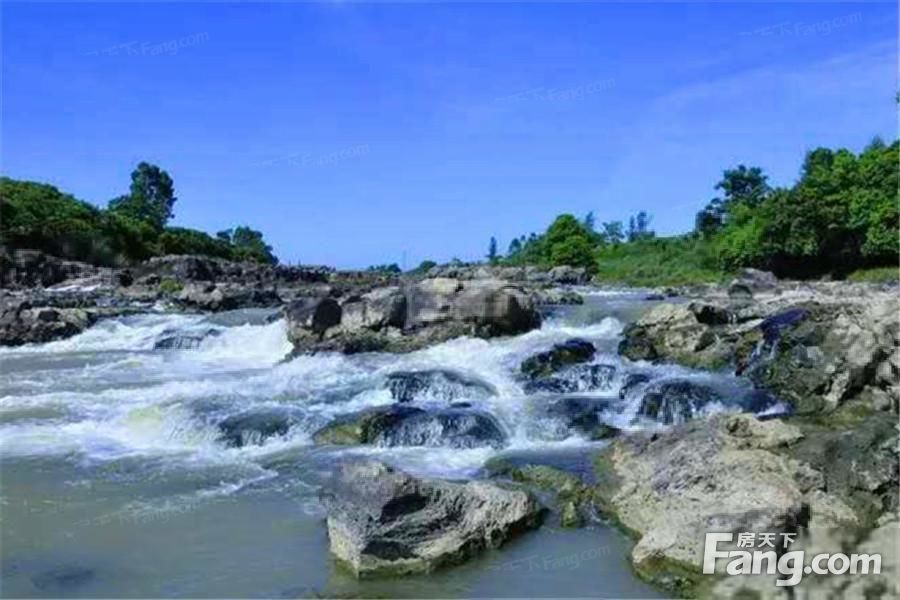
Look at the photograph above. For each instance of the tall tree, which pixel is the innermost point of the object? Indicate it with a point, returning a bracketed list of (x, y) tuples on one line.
[(151, 197), (589, 221), (613, 232), (492, 250)]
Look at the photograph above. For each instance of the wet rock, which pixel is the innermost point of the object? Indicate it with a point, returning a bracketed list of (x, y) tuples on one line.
[(436, 384), (676, 401), (453, 428), (573, 499), (171, 340), (33, 268), (363, 427), (582, 414), (750, 282), (557, 297), (253, 429), (632, 382), (385, 522), (577, 378), (567, 353), (403, 425), (568, 275)]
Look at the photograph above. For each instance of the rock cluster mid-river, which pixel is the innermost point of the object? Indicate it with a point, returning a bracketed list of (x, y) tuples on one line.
[(160, 455)]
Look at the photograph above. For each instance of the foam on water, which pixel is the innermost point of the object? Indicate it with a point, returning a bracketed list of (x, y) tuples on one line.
[(130, 399)]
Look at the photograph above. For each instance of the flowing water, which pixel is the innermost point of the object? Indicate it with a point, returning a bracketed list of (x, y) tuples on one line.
[(118, 478)]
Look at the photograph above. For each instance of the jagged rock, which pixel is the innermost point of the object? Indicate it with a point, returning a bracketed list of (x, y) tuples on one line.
[(569, 352), (386, 522), (724, 474), (568, 275), (436, 384)]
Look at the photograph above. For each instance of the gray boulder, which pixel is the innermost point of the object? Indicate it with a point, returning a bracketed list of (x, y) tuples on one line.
[(20, 323), (436, 384), (396, 319), (383, 522)]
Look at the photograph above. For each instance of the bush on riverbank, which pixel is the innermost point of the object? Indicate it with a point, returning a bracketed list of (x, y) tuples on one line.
[(659, 261)]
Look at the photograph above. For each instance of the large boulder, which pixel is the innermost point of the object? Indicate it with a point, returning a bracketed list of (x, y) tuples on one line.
[(385, 522), (210, 297), (576, 378), (396, 319), (254, 428), (669, 488)]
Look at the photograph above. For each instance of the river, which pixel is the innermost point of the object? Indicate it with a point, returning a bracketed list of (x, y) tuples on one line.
[(117, 481)]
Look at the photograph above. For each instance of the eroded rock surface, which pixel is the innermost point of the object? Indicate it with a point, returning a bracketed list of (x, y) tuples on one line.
[(382, 521)]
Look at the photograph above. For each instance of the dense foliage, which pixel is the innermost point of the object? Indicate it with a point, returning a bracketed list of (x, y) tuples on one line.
[(839, 217), (133, 228)]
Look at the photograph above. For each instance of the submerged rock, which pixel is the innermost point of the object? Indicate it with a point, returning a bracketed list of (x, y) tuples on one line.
[(183, 341), (403, 425), (385, 522), (582, 414), (438, 384), (577, 378), (253, 429), (632, 382), (570, 352)]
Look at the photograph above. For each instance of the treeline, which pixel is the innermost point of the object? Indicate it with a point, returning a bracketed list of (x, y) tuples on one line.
[(132, 228), (840, 216)]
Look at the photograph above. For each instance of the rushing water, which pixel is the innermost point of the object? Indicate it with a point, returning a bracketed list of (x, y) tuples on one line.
[(116, 480)]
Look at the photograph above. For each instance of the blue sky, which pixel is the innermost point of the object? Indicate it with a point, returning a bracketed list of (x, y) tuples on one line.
[(361, 133)]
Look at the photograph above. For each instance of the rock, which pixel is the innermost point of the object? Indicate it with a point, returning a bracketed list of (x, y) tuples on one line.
[(172, 340), (582, 414), (569, 352), (403, 425), (568, 275), (557, 297), (398, 319), (676, 401), (632, 382), (669, 488), (363, 427), (253, 429), (453, 428), (577, 378), (33, 268), (220, 297), (573, 498), (22, 324), (386, 522), (436, 384)]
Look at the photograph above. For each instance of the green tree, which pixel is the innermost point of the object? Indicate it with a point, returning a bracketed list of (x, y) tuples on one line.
[(567, 242), (613, 232), (492, 250), (151, 198)]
